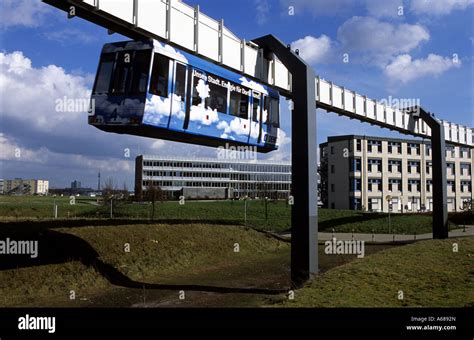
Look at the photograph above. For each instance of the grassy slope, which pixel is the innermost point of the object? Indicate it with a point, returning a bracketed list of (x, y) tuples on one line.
[(429, 273), (192, 254), (278, 214), (157, 252)]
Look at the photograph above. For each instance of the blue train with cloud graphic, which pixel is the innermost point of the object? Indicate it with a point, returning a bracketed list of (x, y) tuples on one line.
[(151, 89)]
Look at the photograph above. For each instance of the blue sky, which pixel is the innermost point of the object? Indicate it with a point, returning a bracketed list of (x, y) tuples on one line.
[(425, 53)]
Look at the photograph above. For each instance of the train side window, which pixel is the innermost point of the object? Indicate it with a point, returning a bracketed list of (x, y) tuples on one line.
[(141, 66), (217, 99), (104, 74), (275, 112), (239, 104), (266, 105), (160, 76), (180, 81), (256, 104)]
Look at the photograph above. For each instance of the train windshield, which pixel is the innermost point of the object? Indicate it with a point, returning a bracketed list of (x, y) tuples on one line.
[(123, 73)]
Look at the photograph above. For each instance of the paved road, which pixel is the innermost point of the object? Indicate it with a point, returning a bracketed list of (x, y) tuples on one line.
[(388, 237)]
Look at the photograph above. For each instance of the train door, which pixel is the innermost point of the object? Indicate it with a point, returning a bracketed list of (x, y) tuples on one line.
[(158, 102), (256, 119), (179, 97)]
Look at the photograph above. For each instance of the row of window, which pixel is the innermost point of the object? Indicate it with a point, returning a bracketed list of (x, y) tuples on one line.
[(395, 184), (225, 166), (414, 167), (412, 148), (236, 186), (228, 177), (221, 98)]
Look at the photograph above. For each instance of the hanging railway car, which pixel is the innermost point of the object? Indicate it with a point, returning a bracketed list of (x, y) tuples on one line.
[(154, 90)]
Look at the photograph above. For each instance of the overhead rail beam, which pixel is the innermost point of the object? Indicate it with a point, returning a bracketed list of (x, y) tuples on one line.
[(180, 25)]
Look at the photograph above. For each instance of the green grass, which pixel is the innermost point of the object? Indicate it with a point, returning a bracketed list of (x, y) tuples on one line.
[(279, 214), (186, 254), (429, 273)]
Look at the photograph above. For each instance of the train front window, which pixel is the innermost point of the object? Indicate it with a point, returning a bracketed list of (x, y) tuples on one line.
[(159, 76), (104, 74), (239, 103), (141, 66), (122, 72)]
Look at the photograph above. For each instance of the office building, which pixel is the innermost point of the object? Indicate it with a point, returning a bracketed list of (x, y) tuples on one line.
[(360, 172)]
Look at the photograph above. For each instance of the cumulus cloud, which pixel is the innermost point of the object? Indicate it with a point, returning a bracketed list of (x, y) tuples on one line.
[(439, 7), (379, 41), (385, 8), (26, 13), (313, 50), (60, 145), (404, 69)]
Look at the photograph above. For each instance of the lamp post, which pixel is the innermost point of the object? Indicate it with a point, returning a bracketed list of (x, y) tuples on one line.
[(266, 209), (55, 208), (389, 200)]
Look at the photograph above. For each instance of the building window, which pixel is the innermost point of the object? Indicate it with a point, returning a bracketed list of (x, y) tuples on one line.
[(452, 186), (465, 152), (358, 144), (394, 147), (451, 168), (356, 185), (395, 165), (414, 185), (428, 149), (333, 188), (394, 184), (374, 184), (357, 164), (465, 169), (414, 148), (332, 150), (356, 203), (429, 183), (450, 151), (375, 145), (375, 165), (428, 167), (466, 186), (414, 167), (333, 170)]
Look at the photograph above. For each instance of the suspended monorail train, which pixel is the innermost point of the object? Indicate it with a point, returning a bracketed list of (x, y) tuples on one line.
[(151, 89)]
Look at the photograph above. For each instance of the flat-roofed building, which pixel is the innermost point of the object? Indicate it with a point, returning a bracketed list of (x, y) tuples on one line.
[(212, 178), (359, 172)]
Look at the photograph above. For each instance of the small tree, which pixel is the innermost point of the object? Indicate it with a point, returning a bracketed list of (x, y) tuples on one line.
[(154, 193)]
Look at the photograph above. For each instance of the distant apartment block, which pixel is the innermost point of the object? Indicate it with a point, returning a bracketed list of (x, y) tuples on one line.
[(20, 186), (212, 178), (359, 172)]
